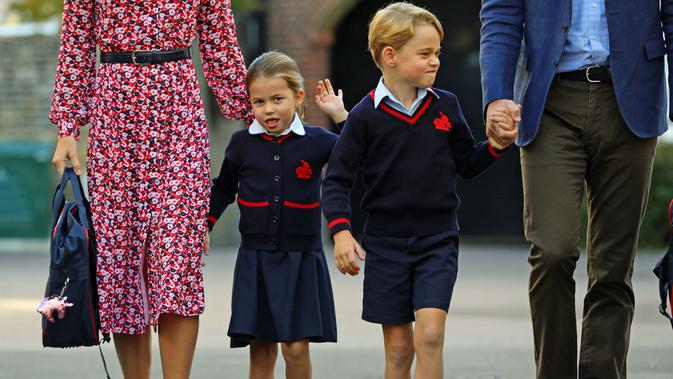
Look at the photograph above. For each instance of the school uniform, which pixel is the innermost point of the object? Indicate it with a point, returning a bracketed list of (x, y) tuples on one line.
[(282, 290), (410, 159)]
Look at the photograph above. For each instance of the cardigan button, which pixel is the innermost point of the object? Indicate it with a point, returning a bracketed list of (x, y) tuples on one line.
[(274, 220), (276, 178), (276, 157), (276, 199)]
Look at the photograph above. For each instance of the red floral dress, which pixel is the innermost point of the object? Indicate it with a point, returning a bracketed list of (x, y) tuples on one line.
[(148, 154)]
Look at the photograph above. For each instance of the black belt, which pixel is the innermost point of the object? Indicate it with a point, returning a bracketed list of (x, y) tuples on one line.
[(144, 58), (591, 74)]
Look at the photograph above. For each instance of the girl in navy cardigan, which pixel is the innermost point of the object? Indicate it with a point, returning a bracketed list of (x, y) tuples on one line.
[(282, 290)]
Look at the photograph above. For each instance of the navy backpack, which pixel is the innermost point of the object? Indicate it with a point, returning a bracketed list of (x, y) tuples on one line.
[(72, 270)]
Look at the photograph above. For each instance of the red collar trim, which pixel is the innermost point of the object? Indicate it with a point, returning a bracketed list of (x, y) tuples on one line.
[(403, 117)]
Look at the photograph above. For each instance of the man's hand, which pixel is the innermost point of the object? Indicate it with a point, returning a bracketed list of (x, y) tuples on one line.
[(330, 102), (345, 248), (66, 150), (501, 133)]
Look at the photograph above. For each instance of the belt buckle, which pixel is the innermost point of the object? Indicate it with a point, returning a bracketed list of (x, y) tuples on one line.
[(133, 57), (588, 70)]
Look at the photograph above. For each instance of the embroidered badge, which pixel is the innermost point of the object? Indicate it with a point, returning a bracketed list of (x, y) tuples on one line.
[(443, 123), (304, 171)]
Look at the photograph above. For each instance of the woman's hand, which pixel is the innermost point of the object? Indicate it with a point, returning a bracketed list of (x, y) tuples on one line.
[(206, 248), (66, 150), (330, 102)]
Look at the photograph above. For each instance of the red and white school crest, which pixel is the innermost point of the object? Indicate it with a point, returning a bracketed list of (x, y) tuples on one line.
[(443, 122), (304, 171)]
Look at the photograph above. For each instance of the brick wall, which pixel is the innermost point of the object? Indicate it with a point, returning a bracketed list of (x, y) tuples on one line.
[(304, 30)]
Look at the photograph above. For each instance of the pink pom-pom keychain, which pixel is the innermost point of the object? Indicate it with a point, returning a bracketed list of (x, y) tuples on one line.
[(55, 304)]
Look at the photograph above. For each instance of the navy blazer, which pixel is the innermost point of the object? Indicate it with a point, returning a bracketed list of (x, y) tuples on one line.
[(522, 41)]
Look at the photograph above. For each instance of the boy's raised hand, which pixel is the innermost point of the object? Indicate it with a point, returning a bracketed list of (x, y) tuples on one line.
[(507, 130), (345, 248), (330, 102)]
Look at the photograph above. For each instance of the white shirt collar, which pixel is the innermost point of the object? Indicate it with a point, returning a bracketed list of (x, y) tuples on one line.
[(296, 126), (381, 92)]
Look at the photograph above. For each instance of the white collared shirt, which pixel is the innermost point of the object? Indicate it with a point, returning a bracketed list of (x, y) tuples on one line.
[(296, 126), (382, 93)]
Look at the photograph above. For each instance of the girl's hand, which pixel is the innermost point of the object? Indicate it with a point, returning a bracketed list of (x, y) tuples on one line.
[(345, 248), (66, 150), (206, 248), (330, 102)]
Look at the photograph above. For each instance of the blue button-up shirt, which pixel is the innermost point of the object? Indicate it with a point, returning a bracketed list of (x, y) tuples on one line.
[(588, 42)]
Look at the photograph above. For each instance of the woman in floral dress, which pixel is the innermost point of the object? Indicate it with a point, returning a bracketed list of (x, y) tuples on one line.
[(148, 160)]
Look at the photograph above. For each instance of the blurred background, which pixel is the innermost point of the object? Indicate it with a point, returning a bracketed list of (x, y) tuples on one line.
[(328, 38)]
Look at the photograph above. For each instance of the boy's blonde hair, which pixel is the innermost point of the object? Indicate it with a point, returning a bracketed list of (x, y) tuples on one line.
[(274, 64), (396, 24)]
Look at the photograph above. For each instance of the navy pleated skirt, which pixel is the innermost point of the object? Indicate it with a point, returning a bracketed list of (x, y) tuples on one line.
[(281, 296)]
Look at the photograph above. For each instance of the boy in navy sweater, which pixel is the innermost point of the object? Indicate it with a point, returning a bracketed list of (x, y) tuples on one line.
[(411, 141)]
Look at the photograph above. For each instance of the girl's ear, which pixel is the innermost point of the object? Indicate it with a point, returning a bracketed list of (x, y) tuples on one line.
[(388, 56), (299, 98)]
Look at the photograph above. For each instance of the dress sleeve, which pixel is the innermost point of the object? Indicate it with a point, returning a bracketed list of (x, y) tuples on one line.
[(223, 63), (76, 71)]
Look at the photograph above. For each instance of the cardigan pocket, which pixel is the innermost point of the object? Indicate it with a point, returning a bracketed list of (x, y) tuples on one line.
[(254, 216), (301, 217)]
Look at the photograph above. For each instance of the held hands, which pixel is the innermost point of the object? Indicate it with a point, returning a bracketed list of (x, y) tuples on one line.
[(345, 248), (330, 102), (501, 118), (66, 150)]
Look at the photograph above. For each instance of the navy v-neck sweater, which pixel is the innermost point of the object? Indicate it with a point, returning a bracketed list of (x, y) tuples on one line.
[(409, 166)]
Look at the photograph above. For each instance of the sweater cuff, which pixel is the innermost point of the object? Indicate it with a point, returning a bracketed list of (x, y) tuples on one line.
[(339, 224), (68, 128), (339, 126), (211, 222), (496, 153)]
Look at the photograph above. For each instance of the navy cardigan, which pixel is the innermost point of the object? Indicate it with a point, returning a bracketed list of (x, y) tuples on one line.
[(277, 180)]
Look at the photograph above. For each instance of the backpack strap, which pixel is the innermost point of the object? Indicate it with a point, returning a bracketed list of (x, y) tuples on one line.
[(69, 176), (106, 338)]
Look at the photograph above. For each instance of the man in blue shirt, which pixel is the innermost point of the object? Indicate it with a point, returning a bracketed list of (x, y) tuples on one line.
[(589, 75)]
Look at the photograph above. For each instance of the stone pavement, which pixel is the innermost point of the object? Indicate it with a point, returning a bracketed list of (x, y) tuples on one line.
[(488, 332)]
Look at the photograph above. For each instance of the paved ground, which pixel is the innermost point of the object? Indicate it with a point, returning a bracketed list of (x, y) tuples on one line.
[(488, 329)]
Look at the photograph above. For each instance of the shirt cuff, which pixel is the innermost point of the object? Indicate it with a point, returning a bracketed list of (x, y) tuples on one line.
[(68, 128)]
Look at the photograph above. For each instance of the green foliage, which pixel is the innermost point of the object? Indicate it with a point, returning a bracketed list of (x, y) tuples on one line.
[(36, 10), (244, 5)]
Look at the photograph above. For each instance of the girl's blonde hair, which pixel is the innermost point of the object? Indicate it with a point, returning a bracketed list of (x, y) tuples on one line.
[(274, 64), (396, 24)]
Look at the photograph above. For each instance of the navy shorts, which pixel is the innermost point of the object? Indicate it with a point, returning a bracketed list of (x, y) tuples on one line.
[(403, 275)]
